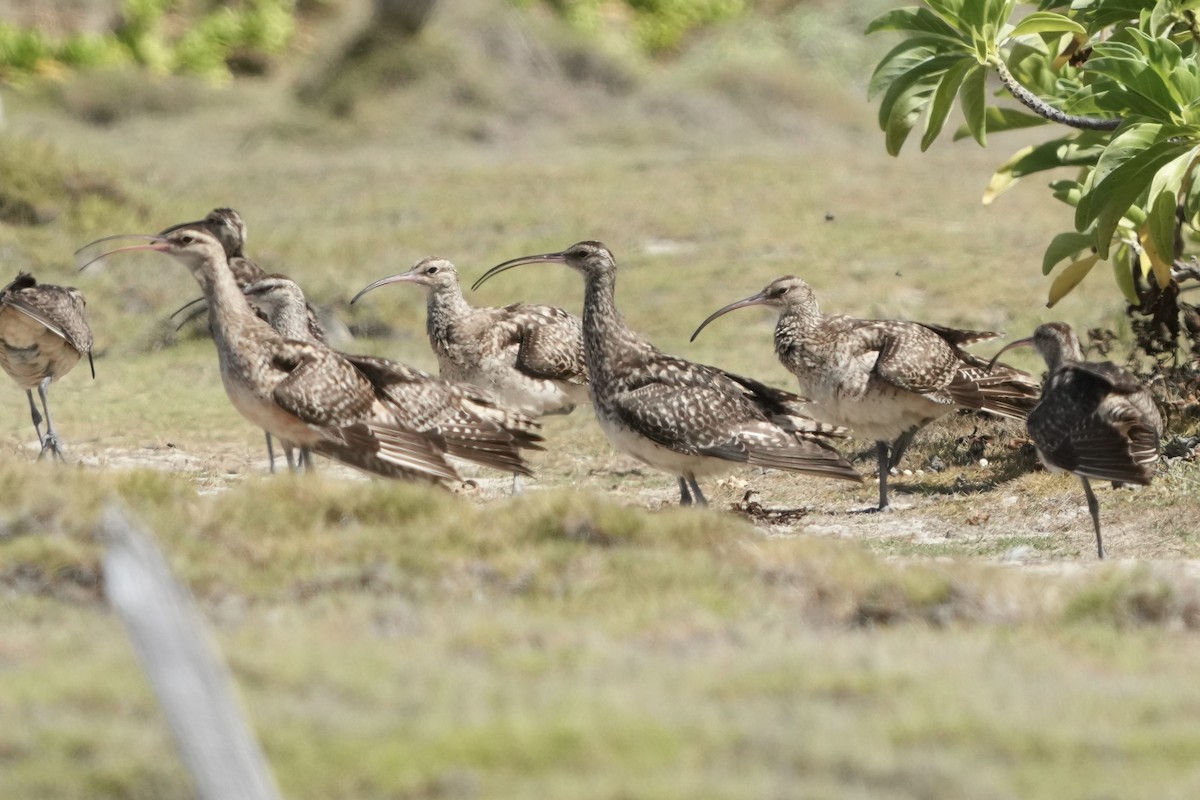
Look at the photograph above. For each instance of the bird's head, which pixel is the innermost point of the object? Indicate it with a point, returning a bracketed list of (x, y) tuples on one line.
[(432, 273), (781, 293), (591, 259)]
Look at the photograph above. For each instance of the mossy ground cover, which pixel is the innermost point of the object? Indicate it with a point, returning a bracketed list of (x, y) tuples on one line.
[(586, 639)]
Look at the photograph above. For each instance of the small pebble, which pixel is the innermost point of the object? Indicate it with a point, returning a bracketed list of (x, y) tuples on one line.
[(907, 472), (983, 462)]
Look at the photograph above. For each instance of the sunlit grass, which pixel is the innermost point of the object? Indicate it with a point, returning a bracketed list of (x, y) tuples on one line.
[(586, 639)]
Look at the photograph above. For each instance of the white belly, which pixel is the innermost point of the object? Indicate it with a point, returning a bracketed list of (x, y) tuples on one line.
[(880, 415), (264, 413)]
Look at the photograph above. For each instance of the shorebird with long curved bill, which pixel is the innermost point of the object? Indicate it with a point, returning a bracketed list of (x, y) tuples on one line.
[(298, 391), (1094, 420), (229, 228), (883, 379), (43, 334), (468, 422), (677, 416), (530, 356)]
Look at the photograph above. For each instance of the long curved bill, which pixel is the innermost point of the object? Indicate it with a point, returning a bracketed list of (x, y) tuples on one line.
[(752, 300), (550, 258), (1028, 340), (403, 277), (84, 257), (199, 223)]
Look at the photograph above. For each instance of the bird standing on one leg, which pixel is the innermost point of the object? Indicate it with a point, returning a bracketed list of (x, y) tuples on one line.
[(883, 379), (684, 418), (43, 334), (1094, 420)]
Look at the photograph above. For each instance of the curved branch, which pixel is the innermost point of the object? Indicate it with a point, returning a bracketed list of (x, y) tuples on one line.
[(1044, 109)]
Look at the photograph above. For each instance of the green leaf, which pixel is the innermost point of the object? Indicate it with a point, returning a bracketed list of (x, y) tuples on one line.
[(1112, 198), (1070, 151), (1164, 197), (899, 61), (1124, 145), (1064, 245), (943, 100), (905, 112), (1070, 277), (1046, 22), (1123, 274), (1003, 119), (1128, 66), (914, 20), (974, 102), (1068, 192)]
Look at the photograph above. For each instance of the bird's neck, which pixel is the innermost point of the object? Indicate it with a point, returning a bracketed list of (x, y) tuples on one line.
[(447, 301), (290, 319), (606, 337), (227, 306), (444, 306), (796, 320)]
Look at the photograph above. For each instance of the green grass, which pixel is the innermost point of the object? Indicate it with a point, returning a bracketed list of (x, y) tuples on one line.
[(586, 639)]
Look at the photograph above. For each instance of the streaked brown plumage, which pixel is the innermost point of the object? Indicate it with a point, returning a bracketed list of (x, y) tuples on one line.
[(298, 391), (465, 421), (684, 418), (529, 356), (1094, 419), (43, 334), (229, 228), (883, 379)]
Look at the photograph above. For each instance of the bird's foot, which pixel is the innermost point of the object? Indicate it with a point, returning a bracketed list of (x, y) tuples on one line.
[(50, 444)]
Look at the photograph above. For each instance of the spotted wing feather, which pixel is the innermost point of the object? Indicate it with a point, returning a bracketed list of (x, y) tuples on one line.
[(1085, 427)]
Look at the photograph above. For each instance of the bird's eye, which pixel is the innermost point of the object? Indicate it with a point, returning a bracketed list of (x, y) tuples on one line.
[(186, 239), (431, 270)]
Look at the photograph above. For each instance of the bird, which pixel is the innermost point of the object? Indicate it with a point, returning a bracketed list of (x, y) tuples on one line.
[(883, 379), (1094, 420), (229, 228), (227, 225), (529, 356), (683, 418), (468, 422), (298, 391), (43, 335)]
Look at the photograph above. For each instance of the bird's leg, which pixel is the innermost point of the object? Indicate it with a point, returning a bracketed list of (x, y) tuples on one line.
[(517, 487), (289, 454), (884, 461), (270, 453), (37, 415), (51, 441), (1094, 508), (697, 495), (900, 446), (306, 460), (685, 497)]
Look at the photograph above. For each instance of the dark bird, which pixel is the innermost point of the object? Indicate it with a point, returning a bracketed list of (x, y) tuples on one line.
[(684, 418), (1094, 419), (883, 379), (43, 334)]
